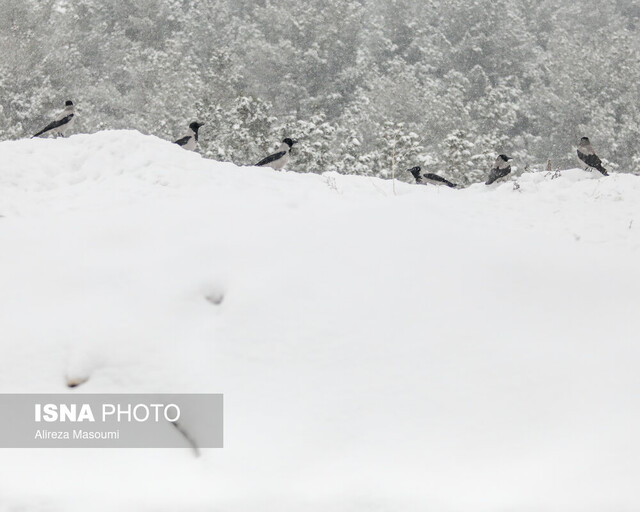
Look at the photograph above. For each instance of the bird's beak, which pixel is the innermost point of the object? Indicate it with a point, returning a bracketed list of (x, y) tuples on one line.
[(295, 141)]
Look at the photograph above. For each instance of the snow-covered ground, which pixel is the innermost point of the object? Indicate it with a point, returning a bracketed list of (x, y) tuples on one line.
[(441, 350)]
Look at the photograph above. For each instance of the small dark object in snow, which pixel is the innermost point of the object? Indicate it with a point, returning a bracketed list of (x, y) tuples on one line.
[(185, 434), (74, 382)]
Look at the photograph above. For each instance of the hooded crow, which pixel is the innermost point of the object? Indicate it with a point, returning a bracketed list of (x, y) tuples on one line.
[(589, 157), (278, 159), (190, 140), (62, 123), (501, 168), (434, 179)]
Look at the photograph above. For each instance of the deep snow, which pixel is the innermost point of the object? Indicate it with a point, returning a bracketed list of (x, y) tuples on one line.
[(472, 350)]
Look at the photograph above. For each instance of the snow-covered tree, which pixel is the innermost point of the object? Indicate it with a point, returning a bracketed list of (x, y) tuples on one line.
[(525, 77)]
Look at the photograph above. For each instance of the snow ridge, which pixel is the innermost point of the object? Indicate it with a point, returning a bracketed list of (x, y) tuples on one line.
[(446, 349)]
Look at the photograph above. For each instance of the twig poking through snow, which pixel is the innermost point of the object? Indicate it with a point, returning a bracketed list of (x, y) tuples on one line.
[(393, 163), (74, 382), (331, 183), (185, 434), (378, 188)]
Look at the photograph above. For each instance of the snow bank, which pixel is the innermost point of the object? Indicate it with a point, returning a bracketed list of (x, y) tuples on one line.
[(435, 349)]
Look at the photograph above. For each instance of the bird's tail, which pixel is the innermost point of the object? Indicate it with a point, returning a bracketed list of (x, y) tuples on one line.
[(602, 170)]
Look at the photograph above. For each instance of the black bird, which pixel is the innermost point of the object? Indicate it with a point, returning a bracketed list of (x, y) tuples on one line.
[(434, 179), (279, 159), (62, 123), (587, 154), (501, 168), (190, 140)]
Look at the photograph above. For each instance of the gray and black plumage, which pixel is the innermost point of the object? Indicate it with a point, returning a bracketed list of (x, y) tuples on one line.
[(434, 179), (278, 159), (190, 140), (62, 122), (587, 154), (501, 168)]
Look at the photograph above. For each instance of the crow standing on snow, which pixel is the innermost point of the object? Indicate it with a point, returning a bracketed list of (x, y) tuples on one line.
[(62, 123), (589, 157), (501, 168), (278, 160), (190, 140), (434, 179)]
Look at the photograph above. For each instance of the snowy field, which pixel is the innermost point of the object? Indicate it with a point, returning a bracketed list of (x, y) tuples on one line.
[(440, 350)]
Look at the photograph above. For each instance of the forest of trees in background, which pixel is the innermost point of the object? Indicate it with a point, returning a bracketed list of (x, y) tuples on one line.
[(446, 84)]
